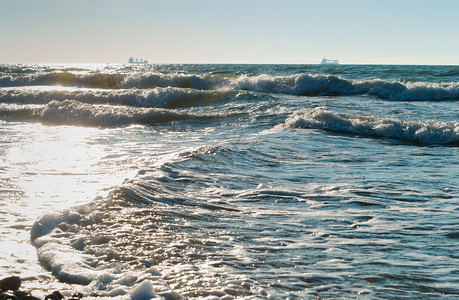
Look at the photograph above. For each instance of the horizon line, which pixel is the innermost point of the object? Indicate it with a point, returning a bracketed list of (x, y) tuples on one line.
[(227, 63)]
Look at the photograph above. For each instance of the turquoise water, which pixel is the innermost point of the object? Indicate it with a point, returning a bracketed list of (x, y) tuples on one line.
[(256, 181)]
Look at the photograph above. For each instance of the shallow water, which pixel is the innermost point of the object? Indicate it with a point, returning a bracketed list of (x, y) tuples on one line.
[(257, 181)]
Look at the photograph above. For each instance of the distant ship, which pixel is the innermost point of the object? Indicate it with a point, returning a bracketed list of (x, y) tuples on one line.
[(137, 61), (329, 61)]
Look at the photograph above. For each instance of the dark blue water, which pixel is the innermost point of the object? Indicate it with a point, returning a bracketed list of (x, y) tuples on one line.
[(257, 181)]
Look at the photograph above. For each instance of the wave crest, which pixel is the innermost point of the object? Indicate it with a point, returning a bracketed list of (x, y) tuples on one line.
[(298, 84), (153, 80), (418, 91), (159, 97), (330, 85), (422, 132), (89, 80), (71, 112)]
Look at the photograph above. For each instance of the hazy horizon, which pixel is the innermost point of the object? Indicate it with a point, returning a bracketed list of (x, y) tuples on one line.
[(237, 32), (219, 63)]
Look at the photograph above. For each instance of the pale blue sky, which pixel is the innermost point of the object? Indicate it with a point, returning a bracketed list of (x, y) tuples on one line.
[(231, 31)]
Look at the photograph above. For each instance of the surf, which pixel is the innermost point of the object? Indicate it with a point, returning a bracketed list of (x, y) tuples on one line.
[(427, 133)]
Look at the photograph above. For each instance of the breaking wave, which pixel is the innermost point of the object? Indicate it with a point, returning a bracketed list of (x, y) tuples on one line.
[(129, 238), (421, 132), (90, 80), (87, 257), (158, 97), (302, 84), (298, 84), (71, 112), (329, 85), (152, 80)]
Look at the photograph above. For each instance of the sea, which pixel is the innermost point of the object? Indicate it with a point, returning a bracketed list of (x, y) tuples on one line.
[(209, 181)]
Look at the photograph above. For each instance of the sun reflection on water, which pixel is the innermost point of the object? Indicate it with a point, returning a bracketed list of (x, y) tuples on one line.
[(56, 167), (45, 169)]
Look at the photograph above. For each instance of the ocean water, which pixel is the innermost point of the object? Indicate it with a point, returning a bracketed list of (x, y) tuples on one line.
[(222, 181)]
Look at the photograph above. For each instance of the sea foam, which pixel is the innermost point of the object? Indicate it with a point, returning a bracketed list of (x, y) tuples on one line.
[(296, 84), (156, 97), (74, 257), (71, 112), (422, 132)]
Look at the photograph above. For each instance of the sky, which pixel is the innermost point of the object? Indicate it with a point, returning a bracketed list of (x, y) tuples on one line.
[(230, 31)]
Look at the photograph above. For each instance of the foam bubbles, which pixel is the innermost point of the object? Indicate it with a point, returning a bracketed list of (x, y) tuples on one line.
[(143, 291), (71, 112), (158, 97), (423, 132), (159, 90)]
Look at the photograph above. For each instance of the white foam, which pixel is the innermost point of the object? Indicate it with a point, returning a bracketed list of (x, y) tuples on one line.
[(424, 132), (56, 251), (69, 264), (160, 90), (417, 91), (143, 291), (49, 222), (69, 112), (157, 97), (330, 85)]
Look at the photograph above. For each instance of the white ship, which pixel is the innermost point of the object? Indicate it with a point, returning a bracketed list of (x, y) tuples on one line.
[(137, 61), (329, 61)]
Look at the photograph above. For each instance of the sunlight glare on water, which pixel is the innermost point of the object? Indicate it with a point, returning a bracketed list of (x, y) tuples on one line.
[(47, 169), (210, 181), (50, 159)]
